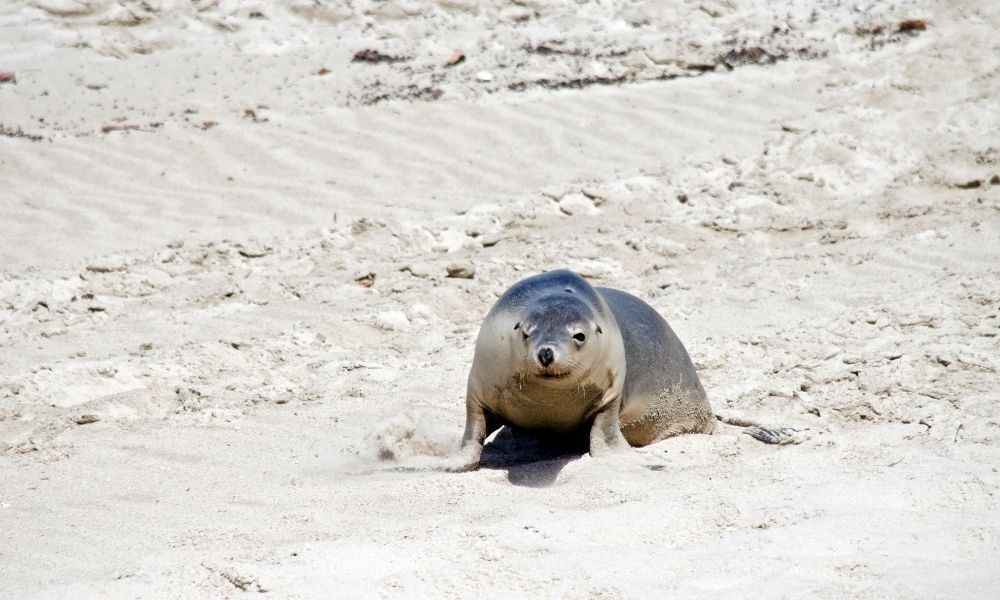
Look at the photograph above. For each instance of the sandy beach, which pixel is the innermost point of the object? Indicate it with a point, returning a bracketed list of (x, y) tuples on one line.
[(246, 247)]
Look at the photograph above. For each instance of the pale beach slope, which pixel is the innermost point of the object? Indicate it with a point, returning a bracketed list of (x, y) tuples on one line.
[(225, 238)]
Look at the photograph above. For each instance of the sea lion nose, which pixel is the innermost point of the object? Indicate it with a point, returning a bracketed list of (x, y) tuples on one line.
[(546, 356)]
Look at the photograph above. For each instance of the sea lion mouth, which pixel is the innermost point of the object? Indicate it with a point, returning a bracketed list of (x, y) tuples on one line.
[(548, 375)]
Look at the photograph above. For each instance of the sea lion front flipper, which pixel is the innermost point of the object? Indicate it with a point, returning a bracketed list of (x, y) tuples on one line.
[(605, 434), (478, 426)]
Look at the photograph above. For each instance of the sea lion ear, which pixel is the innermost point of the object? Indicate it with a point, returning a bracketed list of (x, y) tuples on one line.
[(599, 329), (517, 326)]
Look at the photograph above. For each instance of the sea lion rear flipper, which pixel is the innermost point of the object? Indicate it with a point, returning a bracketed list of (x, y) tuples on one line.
[(777, 435), (769, 435)]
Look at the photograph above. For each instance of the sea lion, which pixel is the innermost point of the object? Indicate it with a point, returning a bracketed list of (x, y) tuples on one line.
[(558, 355)]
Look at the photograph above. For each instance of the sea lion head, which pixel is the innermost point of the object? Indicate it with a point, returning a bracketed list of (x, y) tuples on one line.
[(560, 338)]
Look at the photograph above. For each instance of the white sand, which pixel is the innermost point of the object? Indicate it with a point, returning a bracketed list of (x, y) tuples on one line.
[(180, 254)]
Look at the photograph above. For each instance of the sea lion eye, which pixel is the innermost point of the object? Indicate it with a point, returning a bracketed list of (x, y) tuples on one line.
[(599, 329), (580, 337), (517, 326)]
